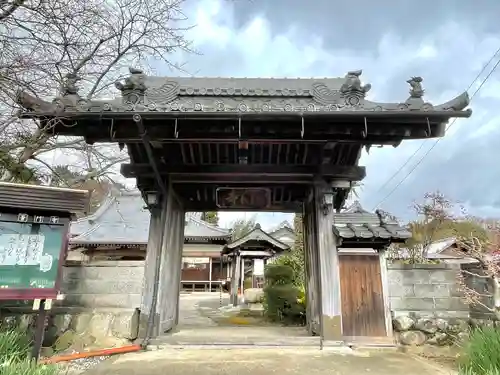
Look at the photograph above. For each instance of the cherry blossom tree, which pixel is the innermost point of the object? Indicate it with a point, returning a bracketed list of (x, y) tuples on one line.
[(94, 41)]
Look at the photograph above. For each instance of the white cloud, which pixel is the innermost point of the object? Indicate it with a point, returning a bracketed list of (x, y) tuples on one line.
[(448, 56)]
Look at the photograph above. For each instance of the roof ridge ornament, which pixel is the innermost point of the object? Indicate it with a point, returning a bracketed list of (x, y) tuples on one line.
[(352, 90), (416, 101), (134, 88), (416, 89), (355, 208), (143, 93)]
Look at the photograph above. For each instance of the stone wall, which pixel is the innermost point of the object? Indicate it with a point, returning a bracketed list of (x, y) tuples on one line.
[(76, 329), (115, 284), (428, 306), (101, 298), (100, 308), (426, 290)]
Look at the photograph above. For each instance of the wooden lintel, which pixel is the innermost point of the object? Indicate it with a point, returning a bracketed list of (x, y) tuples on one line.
[(249, 181), (239, 172), (211, 206)]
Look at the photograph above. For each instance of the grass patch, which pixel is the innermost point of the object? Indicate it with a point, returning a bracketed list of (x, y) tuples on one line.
[(27, 367), (15, 349), (482, 353), (14, 345)]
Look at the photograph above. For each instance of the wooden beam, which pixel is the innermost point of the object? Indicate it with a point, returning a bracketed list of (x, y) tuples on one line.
[(248, 180), (211, 206), (238, 172)]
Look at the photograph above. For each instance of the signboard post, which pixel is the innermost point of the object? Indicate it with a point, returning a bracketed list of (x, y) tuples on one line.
[(40, 328), (34, 226), (32, 251)]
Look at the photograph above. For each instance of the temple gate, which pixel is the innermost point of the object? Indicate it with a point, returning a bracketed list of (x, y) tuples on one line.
[(288, 145)]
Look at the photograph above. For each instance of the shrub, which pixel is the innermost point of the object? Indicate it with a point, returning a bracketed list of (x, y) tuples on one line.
[(302, 297), (278, 274), (281, 297), (292, 260), (482, 353)]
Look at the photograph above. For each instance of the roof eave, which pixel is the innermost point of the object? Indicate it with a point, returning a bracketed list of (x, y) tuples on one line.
[(443, 114), (119, 243)]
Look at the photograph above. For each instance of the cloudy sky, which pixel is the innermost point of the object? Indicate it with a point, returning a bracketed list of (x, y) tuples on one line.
[(447, 42)]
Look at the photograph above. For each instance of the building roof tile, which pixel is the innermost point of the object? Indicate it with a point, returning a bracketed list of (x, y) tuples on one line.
[(254, 95), (123, 219), (356, 222), (257, 234)]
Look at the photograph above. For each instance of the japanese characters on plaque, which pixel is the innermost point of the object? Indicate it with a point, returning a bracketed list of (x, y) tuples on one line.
[(24, 250)]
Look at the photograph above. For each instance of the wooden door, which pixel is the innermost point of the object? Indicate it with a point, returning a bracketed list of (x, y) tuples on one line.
[(363, 312)]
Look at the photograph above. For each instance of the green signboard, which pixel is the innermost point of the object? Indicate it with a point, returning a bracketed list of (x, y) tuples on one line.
[(30, 255)]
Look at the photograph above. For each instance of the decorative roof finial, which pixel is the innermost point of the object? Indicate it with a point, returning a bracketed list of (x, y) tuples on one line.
[(352, 89), (416, 90), (133, 83), (69, 85)]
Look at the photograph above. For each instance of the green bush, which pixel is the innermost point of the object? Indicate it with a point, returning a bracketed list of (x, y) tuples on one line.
[(275, 273), (282, 299), (302, 297), (482, 353), (293, 261)]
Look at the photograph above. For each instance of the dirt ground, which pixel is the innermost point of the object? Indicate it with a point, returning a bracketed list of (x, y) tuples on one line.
[(265, 361)]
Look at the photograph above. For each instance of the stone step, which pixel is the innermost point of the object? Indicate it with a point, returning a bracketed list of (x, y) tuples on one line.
[(251, 341)]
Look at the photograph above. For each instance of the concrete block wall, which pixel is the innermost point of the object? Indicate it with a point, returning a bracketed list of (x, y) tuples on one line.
[(428, 290), (116, 284)]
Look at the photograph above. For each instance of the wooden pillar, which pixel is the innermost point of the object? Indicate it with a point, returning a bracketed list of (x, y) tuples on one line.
[(328, 267), (235, 266), (242, 273), (171, 262), (311, 267), (210, 274), (385, 291), (150, 264), (179, 246)]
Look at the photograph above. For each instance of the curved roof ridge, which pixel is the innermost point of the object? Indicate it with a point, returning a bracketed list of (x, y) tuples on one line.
[(207, 224), (250, 235), (284, 224), (85, 234), (105, 205)]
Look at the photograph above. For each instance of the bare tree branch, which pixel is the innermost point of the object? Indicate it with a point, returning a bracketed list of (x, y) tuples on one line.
[(41, 42), (485, 253)]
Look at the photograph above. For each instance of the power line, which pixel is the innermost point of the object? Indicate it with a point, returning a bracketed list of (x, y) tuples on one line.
[(439, 139), (424, 142)]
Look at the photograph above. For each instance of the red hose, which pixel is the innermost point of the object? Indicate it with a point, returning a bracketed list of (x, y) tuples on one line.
[(92, 353)]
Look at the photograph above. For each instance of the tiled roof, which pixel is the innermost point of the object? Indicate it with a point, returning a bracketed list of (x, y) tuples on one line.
[(283, 225), (257, 95), (122, 219), (84, 224), (355, 222), (257, 234), (434, 249)]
